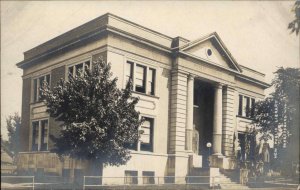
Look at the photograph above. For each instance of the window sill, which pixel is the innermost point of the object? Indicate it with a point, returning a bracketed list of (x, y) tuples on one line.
[(144, 94), (244, 117), (34, 152), (147, 153), (38, 102)]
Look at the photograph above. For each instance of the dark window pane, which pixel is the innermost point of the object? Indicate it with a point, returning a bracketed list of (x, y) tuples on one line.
[(148, 177), (86, 66), (131, 177), (44, 136), (252, 107), (35, 135), (41, 83), (147, 135), (79, 69), (247, 106), (78, 176), (70, 72), (129, 71), (132, 146), (151, 81), (140, 76), (66, 174), (35, 90), (48, 80), (240, 105)]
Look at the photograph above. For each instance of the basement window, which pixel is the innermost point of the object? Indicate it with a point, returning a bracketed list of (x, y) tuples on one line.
[(131, 177)]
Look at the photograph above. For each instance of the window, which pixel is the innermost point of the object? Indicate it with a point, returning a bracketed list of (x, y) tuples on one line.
[(78, 69), (252, 107), (131, 177), (148, 177), (140, 79), (246, 108), (37, 84), (143, 77), (66, 173), (129, 71), (78, 175), (240, 105), (246, 105), (40, 131), (146, 137), (151, 83)]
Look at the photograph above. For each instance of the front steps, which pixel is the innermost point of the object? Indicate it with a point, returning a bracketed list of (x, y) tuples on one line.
[(227, 183), (225, 180)]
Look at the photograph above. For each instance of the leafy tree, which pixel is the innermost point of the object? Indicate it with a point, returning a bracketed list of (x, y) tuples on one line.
[(294, 26), (278, 115), (99, 120), (13, 124)]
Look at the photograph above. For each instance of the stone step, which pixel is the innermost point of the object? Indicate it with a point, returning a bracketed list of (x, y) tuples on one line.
[(233, 187)]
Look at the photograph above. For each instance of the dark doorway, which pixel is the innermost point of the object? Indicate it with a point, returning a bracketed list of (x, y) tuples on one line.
[(203, 116)]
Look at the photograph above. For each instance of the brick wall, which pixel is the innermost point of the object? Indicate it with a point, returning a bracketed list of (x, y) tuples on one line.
[(56, 75), (102, 55), (25, 126)]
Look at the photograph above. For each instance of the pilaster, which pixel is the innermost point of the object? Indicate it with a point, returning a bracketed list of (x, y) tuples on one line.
[(228, 120), (178, 112)]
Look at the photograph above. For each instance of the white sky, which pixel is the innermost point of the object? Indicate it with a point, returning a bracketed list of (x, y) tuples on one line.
[(254, 32)]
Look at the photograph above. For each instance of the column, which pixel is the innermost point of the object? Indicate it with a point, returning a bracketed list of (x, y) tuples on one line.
[(217, 121), (190, 113)]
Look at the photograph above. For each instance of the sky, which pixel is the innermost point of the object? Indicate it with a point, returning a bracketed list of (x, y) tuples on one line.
[(255, 32)]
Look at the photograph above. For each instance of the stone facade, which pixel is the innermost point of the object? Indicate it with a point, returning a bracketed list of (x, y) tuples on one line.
[(179, 67)]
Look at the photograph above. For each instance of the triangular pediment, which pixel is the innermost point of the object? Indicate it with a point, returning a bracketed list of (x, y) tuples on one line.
[(212, 50)]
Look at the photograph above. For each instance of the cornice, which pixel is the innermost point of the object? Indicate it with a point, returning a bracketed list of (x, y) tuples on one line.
[(262, 84)]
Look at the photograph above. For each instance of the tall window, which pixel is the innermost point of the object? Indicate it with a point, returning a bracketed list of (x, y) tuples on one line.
[(151, 83), (240, 105), (140, 79), (252, 107), (129, 71), (146, 138), (78, 69), (246, 105), (37, 84), (143, 77), (40, 130)]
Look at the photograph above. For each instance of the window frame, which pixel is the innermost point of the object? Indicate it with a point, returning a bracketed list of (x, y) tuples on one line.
[(245, 111), (39, 135), (73, 65), (131, 179), (148, 177), (141, 145), (148, 67), (36, 91)]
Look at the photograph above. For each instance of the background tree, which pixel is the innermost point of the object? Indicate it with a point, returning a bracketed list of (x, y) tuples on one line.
[(99, 120), (294, 26), (13, 124), (277, 117)]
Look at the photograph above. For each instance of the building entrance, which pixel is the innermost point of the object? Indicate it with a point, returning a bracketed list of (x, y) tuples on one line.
[(203, 117)]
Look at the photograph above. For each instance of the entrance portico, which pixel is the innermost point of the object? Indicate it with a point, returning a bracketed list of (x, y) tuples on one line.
[(204, 114)]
